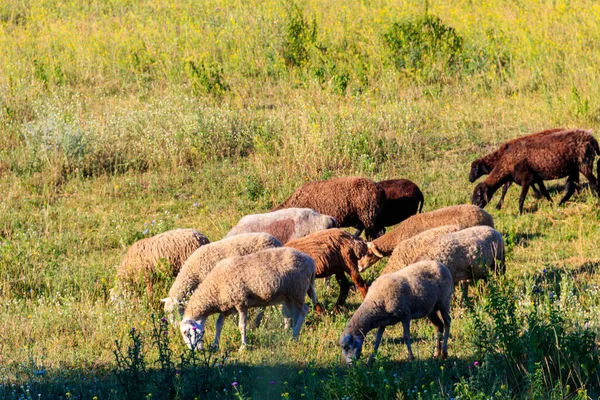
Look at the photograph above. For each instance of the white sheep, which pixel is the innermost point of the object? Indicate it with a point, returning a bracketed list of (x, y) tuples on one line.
[(420, 290), (145, 256), (287, 224), (267, 277), (203, 260)]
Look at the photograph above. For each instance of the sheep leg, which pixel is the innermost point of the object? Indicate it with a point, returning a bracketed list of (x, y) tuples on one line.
[(504, 190), (586, 170), (358, 232), (543, 190), (286, 310), (439, 328), (358, 281), (218, 328), (378, 337), (445, 312), (243, 313), (524, 190), (406, 326), (300, 314), (344, 290), (259, 317), (570, 186)]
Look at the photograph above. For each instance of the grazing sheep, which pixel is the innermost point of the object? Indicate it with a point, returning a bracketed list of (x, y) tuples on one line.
[(408, 250), (485, 165), (469, 253), (463, 215), (144, 256), (203, 260), (353, 202), (335, 252), (419, 290), (264, 278), (551, 156), (403, 199), (285, 225)]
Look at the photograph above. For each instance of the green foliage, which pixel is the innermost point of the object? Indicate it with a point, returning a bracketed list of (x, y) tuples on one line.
[(300, 36), (189, 374), (207, 78), (424, 47), (529, 336)]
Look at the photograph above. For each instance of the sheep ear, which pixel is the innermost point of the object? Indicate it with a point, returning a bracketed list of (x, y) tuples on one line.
[(346, 340), (165, 300), (374, 249)]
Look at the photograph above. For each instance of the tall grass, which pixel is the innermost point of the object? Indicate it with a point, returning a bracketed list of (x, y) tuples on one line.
[(122, 119)]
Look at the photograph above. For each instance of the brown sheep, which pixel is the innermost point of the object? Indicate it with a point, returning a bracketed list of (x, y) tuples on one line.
[(403, 199), (485, 165), (551, 156), (464, 216), (335, 252), (352, 201)]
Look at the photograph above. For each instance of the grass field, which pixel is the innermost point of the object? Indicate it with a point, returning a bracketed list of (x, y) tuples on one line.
[(122, 119)]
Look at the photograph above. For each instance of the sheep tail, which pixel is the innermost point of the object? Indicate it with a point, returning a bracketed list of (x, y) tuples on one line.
[(313, 295), (422, 201)]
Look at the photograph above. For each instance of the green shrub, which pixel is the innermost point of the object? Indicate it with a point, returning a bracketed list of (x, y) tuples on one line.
[(299, 36), (424, 47)]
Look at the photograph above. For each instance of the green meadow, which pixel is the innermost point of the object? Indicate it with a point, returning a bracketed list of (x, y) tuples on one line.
[(121, 119)]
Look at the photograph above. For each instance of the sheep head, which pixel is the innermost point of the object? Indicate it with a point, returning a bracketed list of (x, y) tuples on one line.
[(192, 332), (351, 347), (481, 195), (373, 255), (478, 168)]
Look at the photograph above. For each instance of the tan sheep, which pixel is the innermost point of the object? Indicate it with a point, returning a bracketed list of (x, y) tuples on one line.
[(419, 290), (267, 277), (144, 257), (469, 254), (203, 260), (464, 216), (410, 248)]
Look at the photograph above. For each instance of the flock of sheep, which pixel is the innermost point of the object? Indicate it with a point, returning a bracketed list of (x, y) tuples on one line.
[(274, 258)]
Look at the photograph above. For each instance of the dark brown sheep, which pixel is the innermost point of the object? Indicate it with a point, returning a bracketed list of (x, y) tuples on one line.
[(552, 156), (335, 252), (485, 165), (403, 199), (353, 202)]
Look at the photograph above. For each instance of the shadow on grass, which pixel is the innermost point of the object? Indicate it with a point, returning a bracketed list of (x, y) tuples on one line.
[(382, 379)]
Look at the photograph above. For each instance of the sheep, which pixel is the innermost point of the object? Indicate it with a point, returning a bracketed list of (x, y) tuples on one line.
[(419, 290), (267, 277), (203, 260), (335, 252), (408, 250), (403, 199), (468, 253), (287, 224), (552, 156), (462, 215), (352, 201), (143, 258), (484, 165)]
